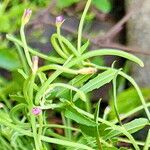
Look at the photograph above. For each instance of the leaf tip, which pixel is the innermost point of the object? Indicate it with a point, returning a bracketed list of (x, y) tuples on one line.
[(142, 64)]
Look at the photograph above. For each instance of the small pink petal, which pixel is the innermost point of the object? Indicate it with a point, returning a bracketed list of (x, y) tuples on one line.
[(27, 12), (36, 111), (59, 19), (26, 16)]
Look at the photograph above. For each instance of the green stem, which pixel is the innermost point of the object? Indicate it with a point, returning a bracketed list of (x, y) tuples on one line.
[(66, 143), (138, 91), (133, 111), (22, 59), (66, 42), (51, 133), (28, 91), (57, 47), (57, 67), (80, 29), (60, 41), (28, 57), (128, 141), (147, 143), (34, 129), (40, 119), (98, 138), (61, 126), (117, 113), (115, 100), (4, 6), (49, 58), (69, 132), (64, 123), (104, 52), (53, 106), (45, 85)]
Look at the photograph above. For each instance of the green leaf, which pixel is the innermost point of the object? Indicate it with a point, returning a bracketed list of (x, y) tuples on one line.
[(77, 81), (4, 25), (92, 130), (136, 124), (131, 127), (86, 140), (18, 98), (65, 3), (99, 81), (109, 148), (5, 116), (3, 81), (85, 46), (103, 5), (71, 113), (129, 102), (8, 59), (96, 114), (123, 148), (10, 87), (98, 61)]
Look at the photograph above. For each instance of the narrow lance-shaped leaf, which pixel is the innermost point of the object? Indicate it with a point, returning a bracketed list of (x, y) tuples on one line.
[(71, 113), (85, 46), (96, 114), (131, 127), (99, 81), (77, 81)]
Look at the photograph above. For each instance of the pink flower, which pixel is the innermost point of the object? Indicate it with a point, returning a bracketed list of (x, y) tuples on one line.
[(26, 16), (36, 111), (59, 20)]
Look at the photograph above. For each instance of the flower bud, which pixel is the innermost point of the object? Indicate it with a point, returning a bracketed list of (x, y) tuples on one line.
[(59, 20), (36, 111), (88, 70), (35, 60), (26, 16)]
